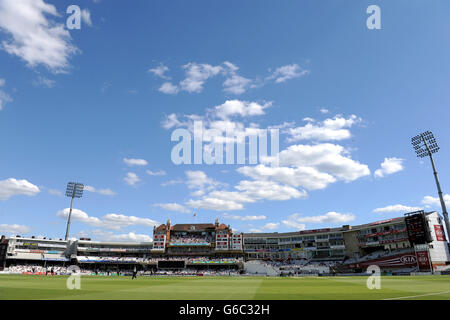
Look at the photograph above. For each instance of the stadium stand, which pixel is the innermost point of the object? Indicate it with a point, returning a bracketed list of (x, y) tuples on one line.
[(215, 249)]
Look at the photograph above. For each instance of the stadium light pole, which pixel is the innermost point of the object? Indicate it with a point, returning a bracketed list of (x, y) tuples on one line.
[(425, 145), (74, 190)]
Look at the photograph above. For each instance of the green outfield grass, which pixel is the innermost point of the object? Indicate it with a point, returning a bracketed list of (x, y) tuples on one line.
[(206, 288)]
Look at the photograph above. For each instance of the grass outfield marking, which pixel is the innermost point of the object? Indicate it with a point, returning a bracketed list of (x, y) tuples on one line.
[(418, 296)]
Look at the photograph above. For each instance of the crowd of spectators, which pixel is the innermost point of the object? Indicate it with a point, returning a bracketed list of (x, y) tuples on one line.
[(64, 270), (31, 268), (194, 259), (41, 270), (301, 266), (146, 260), (189, 239), (214, 260), (110, 259)]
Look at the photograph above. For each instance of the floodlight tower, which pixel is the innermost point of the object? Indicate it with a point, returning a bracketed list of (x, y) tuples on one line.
[(74, 190), (425, 145)]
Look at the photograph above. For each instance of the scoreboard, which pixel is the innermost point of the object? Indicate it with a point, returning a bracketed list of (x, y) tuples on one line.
[(417, 226)]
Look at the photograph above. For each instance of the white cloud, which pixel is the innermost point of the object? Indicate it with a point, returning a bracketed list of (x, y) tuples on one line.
[(14, 229), (230, 67), (240, 108), (55, 192), (247, 192), (217, 127), (287, 72), (117, 221), (291, 223), (244, 218), (324, 111), (389, 166), (307, 177), (160, 71), (232, 196), (397, 208), (135, 162), (44, 82), (329, 158), (123, 237), (4, 97), (79, 215), (172, 182), (156, 173), (130, 237), (173, 207), (236, 84), (35, 38), (171, 121), (216, 204), (197, 193), (13, 187), (328, 218), (267, 227), (197, 74), (131, 178), (270, 226), (86, 17), (329, 129), (105, 192), (109, 221), (340, 122), (282, 126), (168, 88), (268, 190), (312, 167), (199, 180), (430, 201)]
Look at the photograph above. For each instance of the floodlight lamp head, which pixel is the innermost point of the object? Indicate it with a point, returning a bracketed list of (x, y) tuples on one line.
[(74, 189), (424, 144)]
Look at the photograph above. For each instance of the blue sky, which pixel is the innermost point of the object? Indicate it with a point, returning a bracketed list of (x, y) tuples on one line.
[(76, 104)]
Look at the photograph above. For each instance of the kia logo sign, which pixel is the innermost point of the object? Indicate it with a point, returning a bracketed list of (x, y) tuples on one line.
[(408, 259)]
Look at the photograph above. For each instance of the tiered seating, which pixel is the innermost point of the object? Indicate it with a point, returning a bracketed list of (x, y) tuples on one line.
[(190, 239), (96, 259)]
